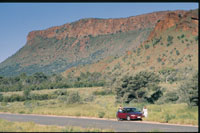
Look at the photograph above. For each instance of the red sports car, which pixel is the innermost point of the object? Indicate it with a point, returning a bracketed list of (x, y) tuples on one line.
[(129, 114)]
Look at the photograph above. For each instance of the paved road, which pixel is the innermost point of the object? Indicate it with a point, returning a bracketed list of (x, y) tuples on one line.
[(118, 126)]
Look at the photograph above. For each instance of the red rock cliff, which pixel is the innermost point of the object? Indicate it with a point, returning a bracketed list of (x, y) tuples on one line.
[(94, 27)]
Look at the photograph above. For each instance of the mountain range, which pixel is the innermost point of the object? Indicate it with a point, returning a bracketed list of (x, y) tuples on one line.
[(164, 39)]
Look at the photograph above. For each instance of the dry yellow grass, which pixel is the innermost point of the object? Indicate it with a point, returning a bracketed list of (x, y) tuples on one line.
[(7, 126), (103, 106)]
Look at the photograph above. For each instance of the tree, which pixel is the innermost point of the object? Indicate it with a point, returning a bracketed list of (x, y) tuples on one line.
[(27, 93), (189, 90), (142, 87)]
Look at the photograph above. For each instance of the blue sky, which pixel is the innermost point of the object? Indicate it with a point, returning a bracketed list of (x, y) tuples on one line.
[(18, 19)]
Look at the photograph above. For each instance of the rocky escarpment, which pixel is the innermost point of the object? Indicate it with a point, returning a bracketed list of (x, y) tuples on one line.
[(186, 21), (82, 42), (94, 27)]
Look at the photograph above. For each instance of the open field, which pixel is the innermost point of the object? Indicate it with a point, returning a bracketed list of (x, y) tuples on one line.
[(101, 106)]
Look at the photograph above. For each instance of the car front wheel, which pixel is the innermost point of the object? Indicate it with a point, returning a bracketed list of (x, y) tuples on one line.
[(128, 118), (119, 119)]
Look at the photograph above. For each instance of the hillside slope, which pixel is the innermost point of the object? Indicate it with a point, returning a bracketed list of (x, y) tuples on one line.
[(82, 42), (171, 45)]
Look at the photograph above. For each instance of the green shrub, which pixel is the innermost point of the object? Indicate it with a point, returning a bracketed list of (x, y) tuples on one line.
[(159, 59), (171, 97), (148, 57), (142, 87), (156, 41), (170, 39), (90, 98), (177, 52), (26, 93), (146, 46), (138, 51), (189, 91), (182, 36), (196, 38), (169, 117), (101, 114), (73, 97), (62, 98)]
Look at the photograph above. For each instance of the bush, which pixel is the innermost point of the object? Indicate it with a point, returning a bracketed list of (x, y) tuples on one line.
[(142, 87), (177, 52), (196, 38), (182, 36), (189, 91), (73, 97), (26, 93), (171, 97), (146, 46), (101, 114), (159, 59), (169, 39), (169, 117), (89, 98), (13, 98)]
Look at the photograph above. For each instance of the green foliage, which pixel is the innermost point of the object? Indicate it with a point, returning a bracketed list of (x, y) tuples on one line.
[(189, 91), (101, 114), (182, 36), (177, 52), (159, 59), (26, 93), (171, 97), (1, 97), (156, 41), (170, 39), (196, 38), (13, 98), (73, 97), (168, 117), (148, 57), (142, 87), (146, 46), (138, 51), (168, 75), (39, 81)]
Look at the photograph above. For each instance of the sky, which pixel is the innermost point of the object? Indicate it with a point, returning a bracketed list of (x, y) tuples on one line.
[(18, 19)]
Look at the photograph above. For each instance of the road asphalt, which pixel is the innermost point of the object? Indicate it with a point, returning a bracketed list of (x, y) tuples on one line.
[(117, 126)]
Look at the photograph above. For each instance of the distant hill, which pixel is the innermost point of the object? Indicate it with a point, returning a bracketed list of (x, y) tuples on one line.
[(124, 44), (171, 45)]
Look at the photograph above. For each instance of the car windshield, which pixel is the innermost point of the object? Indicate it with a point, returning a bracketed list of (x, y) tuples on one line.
[(132, 110)]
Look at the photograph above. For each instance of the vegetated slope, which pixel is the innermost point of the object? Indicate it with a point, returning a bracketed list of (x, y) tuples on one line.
[(172, 45), (82, 42)]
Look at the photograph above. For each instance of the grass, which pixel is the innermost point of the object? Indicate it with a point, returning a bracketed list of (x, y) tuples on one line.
[(7, 126), (173, 113), (102, 106)]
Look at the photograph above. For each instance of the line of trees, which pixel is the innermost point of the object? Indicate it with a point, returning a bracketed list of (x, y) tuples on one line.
[(144, 87), (39, 81)]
